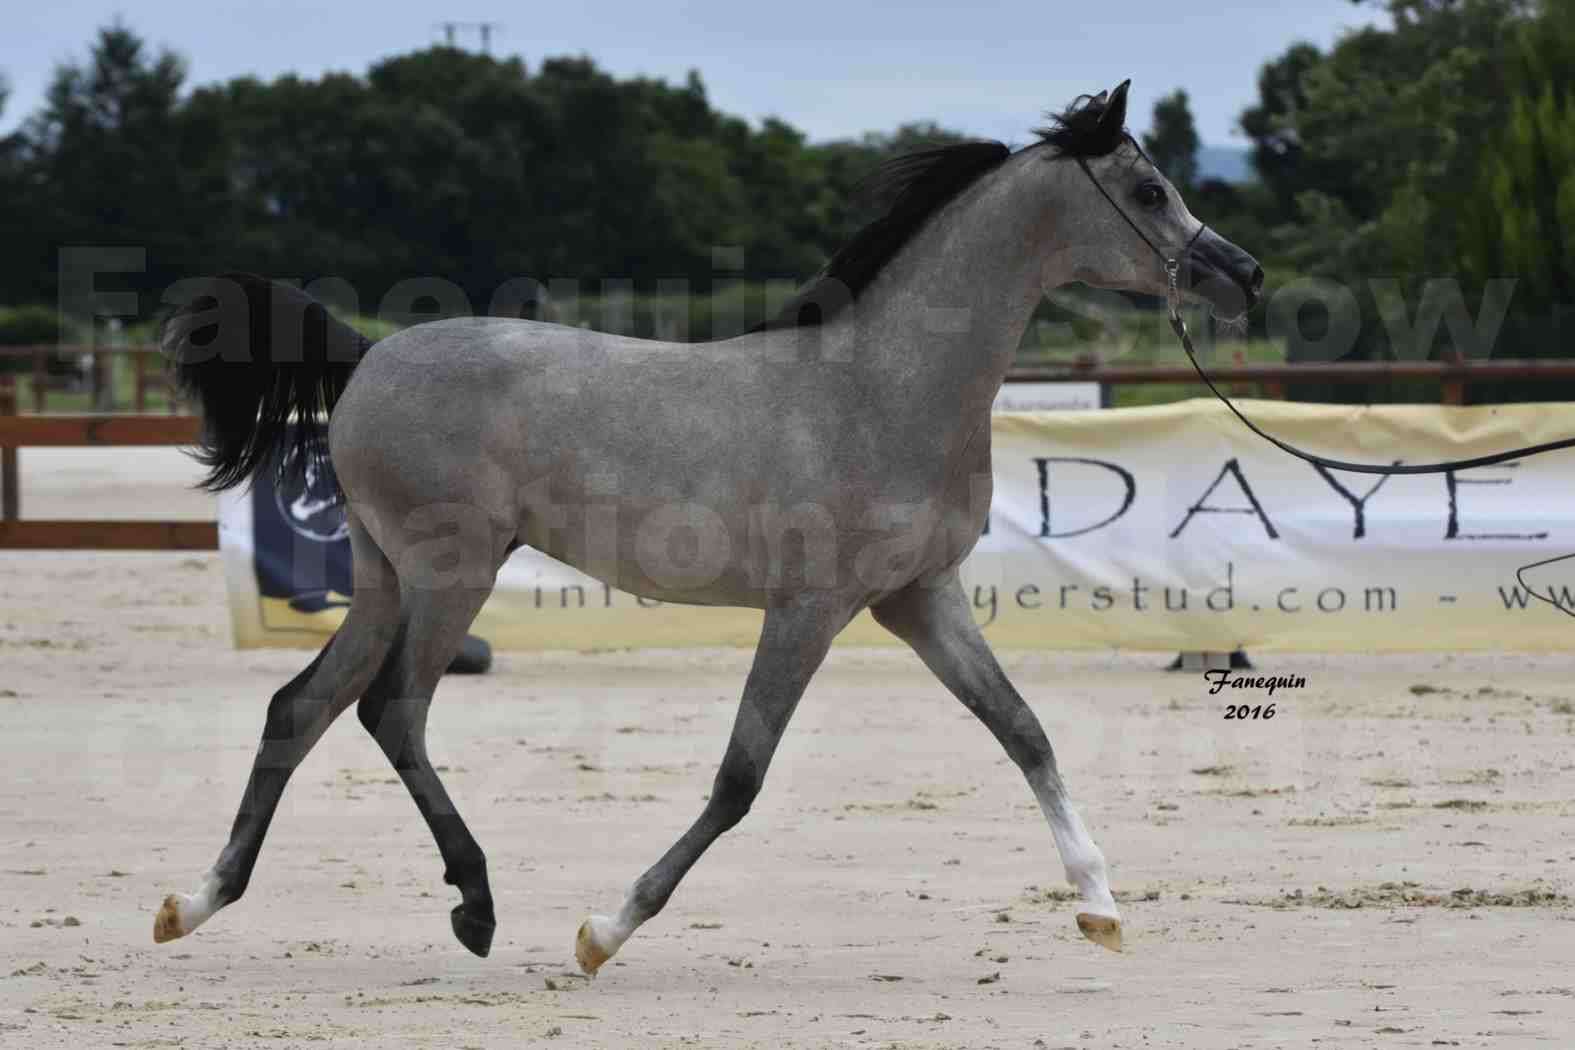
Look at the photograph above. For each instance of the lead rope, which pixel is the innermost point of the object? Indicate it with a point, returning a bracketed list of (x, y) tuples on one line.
[(1178, 325)]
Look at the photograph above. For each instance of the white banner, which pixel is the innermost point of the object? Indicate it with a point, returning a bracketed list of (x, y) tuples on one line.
[(1169, 528)]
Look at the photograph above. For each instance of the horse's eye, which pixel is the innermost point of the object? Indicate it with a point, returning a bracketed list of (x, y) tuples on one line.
[(1151, 195)]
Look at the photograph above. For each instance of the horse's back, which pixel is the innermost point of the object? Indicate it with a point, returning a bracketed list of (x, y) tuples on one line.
[(427, 412)]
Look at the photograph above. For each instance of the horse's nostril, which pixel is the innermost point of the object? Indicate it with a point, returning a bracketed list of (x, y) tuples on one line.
[(1255, 283)]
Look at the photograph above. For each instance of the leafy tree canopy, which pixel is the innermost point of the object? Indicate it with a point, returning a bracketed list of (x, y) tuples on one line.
[(1172, 141)]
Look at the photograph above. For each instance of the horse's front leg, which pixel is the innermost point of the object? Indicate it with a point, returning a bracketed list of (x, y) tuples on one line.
[(938, 623), (793, 642)]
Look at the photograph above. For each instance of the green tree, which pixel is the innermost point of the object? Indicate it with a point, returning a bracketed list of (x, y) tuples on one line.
[(1278, 154), (1438, 147), (15, 208), (108, 163), (1533, 191), (1172, 139), (440, 162), (1529, 180)]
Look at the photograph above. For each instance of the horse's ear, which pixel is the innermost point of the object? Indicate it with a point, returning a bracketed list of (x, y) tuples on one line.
[(1115, 116)]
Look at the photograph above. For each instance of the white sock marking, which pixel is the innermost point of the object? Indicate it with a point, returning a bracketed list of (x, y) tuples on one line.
[(197, 908), (1085, 864)]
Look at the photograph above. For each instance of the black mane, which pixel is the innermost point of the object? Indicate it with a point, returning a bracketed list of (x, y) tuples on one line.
[(1080, 130), (913, 187)]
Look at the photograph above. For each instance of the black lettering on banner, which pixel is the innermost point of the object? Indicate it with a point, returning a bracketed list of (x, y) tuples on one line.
[(1043, 463), (1452, 530), (1233, 468), (1358, 504), (984, 598), (1229, 587)]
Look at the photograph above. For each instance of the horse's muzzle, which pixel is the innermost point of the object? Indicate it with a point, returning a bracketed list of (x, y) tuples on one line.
[(1229, 278)]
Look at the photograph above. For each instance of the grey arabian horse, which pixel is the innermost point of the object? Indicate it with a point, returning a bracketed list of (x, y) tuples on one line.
[(835, 459)]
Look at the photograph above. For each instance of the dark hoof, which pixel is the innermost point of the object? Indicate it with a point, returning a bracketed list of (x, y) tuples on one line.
[(473, 932), (474, 657)]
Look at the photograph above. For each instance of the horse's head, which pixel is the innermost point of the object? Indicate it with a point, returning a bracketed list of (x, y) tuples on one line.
[(1120, 220)]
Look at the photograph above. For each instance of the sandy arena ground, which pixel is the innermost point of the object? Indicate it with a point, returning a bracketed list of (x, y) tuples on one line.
[(1389, 862)]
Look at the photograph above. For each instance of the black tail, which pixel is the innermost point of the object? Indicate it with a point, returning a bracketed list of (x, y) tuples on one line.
[(259, 356)]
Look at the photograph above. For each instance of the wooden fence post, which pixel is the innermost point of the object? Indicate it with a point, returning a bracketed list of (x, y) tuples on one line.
[(1452, 391), (40, 377), (10, 482), (102, 371)]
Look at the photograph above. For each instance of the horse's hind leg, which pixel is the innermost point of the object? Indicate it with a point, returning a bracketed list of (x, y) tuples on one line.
[(297, 717), (793, 643), (938, 623), (394, 711)]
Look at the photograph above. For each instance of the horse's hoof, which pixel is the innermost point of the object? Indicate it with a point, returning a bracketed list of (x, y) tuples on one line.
[(588, 951), (1101, 929), (474, 932), (166, 924)]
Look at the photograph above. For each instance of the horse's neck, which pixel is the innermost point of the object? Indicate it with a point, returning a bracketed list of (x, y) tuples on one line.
[(944, 318)]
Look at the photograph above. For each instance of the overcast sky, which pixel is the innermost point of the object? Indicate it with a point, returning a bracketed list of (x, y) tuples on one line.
[(829, 68)]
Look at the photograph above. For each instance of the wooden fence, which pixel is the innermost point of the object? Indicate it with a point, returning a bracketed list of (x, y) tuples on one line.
[(1269, 380), (1454, 377), (17, 432), (148, 371)]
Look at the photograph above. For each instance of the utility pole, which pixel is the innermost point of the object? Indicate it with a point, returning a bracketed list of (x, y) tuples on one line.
[(483, 29)]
